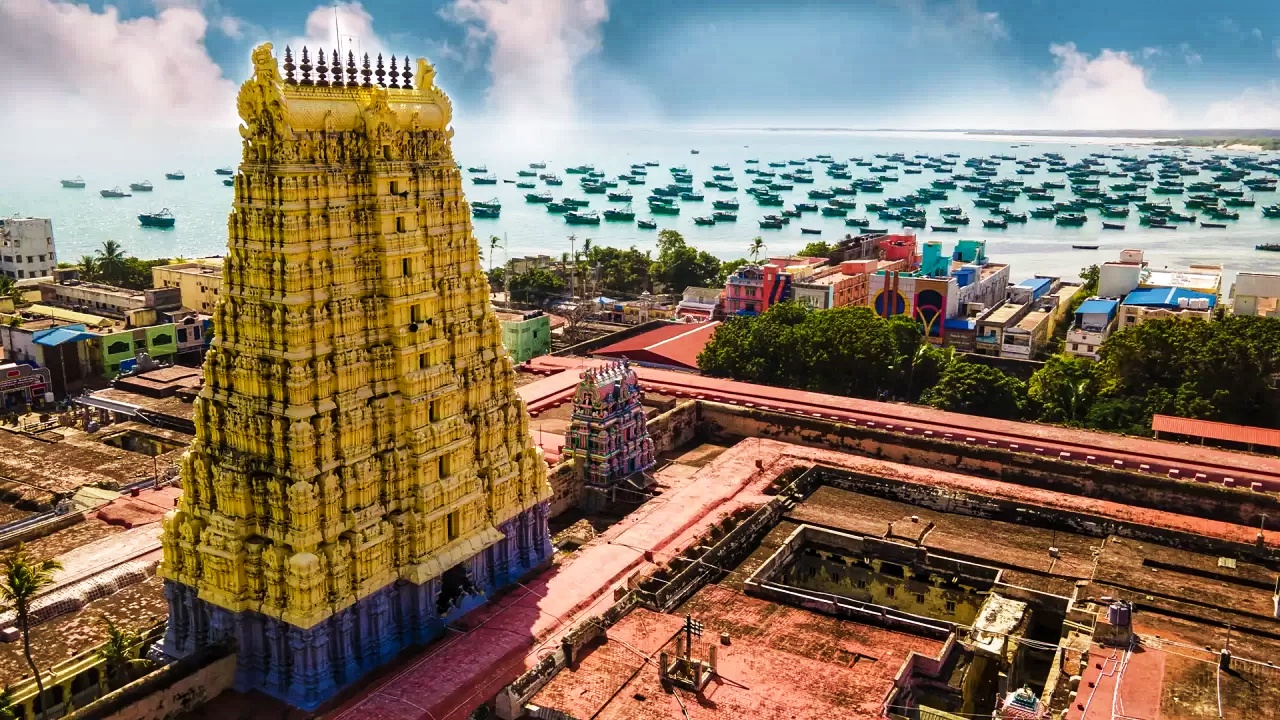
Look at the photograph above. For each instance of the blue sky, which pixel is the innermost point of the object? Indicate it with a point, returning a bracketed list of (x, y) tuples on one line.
[(851, 63)]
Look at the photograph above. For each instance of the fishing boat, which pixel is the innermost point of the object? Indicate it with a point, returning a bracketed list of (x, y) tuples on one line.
[(693, 152), (615, 214), (833, 211), (538, 165), (175, 175), (730, 204), (485, 180), (666, 208), (580, 217), (493, 204), (996, 224), (620, 196), (527, 173), (542, 197), (1084, 247), (551, 179), (943, 228), (810, 231), (704, 220), (647, 224), (1215, 226), (1269, 247), (692, 196), (1271, 211), (771, 224), (1072, 219), (114, 192), (559, 208), (224, 171), (144, 186), (724, 216), (478, 169), (857, 222), (526, 185), (806, 207), (77, 183), (162, 219), (1112, 226), (484, 212), (229, 182)]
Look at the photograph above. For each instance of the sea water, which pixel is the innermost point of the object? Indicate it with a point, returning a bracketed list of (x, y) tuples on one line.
[(82, 219)]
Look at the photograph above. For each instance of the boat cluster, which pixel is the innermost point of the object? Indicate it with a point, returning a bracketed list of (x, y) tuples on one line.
[(161, 219)]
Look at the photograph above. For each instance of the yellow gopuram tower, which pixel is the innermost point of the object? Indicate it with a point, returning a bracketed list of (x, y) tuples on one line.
[(363, 470)]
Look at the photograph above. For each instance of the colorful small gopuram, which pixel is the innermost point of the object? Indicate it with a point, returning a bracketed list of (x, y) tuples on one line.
[(608, 434), (363, 471)]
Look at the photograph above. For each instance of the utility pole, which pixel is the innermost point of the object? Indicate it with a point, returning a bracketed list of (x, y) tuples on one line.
[(573, 264)]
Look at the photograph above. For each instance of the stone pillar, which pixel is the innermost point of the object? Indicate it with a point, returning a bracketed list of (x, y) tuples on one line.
[(347, 663), (176, 629), (274, 681)]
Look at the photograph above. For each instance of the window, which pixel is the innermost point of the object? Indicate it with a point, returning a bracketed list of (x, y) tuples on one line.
[(951, 606), (413, 313), (404, 267), (41, 258), (19, 258), (451, 525), (117, 347), (889, 591), (182, 335), (422, 361), (20, 272), (399, 224), (394, 187), (29, 260), (8, 258), (920, 598), (162, 339)]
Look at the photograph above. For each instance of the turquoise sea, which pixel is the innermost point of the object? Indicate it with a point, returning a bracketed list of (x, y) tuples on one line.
[(82, 219)]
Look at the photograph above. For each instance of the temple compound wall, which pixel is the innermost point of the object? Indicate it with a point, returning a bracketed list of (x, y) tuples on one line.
[(363, 471)]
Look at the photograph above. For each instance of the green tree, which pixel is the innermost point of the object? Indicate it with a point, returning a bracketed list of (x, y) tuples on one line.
[(1064, 389), (88, 267), (756, 248), (8, 711), (119, 655), (727, 268), (976, 389), (817, 249), (622, 271), (538, 285), (111, 262), (495, 242), (680, 265), (24, 579)]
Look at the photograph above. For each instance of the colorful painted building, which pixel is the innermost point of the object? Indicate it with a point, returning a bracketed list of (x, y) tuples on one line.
[(363, 472), (608, 435), (526, 335), (945, 287)]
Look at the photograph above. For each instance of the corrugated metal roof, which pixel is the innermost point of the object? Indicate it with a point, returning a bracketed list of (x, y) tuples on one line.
[(1100, 307), (675, 345), (1165, 297), (1216, 430)]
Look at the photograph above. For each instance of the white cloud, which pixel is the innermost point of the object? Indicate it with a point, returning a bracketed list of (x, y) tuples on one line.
[(1152, 52), (1108, 91), (1253, 108), (952, 20), (1189, 55), (349, 21), (65, 62), (231, 26), (535, 49), (1257, 33)]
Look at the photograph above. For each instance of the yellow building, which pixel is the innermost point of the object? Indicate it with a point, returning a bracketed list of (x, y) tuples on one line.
[(363, 471), (199, 280)]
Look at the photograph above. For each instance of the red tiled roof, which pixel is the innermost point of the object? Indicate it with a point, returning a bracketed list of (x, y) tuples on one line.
[(676, 345), (1216, 430)]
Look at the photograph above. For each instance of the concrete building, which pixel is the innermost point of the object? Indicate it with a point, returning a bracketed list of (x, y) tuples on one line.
[(699, 304), (138, 308), (1131, 272), (1094, 322), (198, 281), (846, 284), (945, 287), (363, 473), (525, 335), (1256, 294), (1021, 327), (27, 248), (1155, 303)]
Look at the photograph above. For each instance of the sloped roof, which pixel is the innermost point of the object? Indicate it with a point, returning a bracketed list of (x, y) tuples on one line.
[(673, 345), (1101, 307), (1216, 430)]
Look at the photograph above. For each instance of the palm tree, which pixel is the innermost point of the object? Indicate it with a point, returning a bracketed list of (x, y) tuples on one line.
[(24, 579), (88, 267), (117, 654), (111, 262), (494, 243), (757, 247)]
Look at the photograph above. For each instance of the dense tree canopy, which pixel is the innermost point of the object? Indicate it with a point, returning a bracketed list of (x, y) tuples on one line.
[(538, 285), (622, 271), (843, 351), (110, 265), (817, 249), (680, 265), (977, 390)]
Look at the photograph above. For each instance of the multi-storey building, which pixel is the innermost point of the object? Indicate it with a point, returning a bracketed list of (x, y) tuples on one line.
[(26, 247), (943, 288), (608, 435), (363, 471), (198, 280)]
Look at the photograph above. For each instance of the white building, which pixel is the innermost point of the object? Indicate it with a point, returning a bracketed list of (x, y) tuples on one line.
[(26, 247), (1094, 321), (1256, 294)]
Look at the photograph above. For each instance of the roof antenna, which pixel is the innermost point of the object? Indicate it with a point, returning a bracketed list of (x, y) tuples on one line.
[(337, 32)]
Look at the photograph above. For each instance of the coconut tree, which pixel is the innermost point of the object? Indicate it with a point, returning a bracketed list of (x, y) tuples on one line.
[(117, 654), (24, 578), (756, 248), (495, 242), (88, 267), (111, 261)]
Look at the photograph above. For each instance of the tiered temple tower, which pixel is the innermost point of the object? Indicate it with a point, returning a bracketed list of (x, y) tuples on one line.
[(363, 470), (608, 434)]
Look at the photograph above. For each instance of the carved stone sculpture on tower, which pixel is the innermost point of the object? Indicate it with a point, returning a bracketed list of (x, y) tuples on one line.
[(345, 484)]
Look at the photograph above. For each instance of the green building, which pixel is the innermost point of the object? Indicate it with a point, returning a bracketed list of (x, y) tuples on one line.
[(526, 335), (158, 341)]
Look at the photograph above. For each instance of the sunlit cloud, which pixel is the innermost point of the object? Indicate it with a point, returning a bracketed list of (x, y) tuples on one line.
[(1107, 91)]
